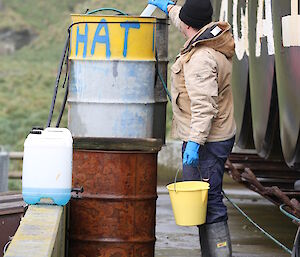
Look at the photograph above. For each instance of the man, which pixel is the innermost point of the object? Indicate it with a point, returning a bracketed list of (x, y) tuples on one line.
[(203, 110)]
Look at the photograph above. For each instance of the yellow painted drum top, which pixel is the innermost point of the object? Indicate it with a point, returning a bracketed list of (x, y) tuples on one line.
[(112, 38)]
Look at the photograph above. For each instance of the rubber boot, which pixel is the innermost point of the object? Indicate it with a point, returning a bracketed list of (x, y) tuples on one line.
[(215, 240)]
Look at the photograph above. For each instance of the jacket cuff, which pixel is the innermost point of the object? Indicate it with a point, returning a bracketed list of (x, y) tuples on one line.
[(198, 140)]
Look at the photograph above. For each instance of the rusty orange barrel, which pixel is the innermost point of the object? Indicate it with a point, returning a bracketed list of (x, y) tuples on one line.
[(115, 215)]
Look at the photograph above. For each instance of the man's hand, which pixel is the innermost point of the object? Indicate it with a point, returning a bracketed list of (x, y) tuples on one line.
[(191, 155), (162, 4)]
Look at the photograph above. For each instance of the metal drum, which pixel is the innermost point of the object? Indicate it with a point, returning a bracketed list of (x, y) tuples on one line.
[(115, 215), (112, 78)]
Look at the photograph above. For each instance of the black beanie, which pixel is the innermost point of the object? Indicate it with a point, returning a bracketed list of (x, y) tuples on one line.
[(196, 13)]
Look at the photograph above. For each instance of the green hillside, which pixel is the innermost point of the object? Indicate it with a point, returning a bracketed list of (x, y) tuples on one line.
[(27, 73)]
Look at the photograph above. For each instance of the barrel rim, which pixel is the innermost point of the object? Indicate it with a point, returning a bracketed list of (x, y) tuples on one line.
[(118, 145)]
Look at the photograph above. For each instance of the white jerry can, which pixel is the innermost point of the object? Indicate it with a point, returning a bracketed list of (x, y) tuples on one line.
[(47, 166)]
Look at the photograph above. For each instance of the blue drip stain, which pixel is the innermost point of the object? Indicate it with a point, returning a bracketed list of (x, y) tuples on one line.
[(130, 125)]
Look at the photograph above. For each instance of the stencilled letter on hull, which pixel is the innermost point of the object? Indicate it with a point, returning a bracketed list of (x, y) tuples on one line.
[(224, 11), (291, 26), (241, 43), (264, 27)]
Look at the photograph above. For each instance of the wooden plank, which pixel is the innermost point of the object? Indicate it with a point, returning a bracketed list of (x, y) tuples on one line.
[(39, 233), (118, 144), (16, 155), (10, 197), (12, 207), (15, 175)]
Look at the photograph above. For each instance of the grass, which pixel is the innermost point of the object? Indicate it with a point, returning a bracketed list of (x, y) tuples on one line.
[(28, 75)]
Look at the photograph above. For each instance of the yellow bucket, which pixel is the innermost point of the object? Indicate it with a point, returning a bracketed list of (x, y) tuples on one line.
[(189, 202)]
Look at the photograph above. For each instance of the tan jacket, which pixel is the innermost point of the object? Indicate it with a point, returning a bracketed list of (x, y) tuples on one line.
[(201, 86)]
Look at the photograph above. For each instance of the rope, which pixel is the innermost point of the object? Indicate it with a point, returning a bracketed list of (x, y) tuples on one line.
[(106, 9), (257, 226), (291, 216), (165, 85)]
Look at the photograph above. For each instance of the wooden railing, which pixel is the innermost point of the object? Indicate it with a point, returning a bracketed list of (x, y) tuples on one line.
[(15, 156)]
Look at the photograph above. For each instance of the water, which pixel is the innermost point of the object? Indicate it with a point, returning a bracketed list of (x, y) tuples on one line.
[(60, 196), (247, 241)]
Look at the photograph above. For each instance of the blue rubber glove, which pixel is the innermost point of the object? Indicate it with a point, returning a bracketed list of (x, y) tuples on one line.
[(161, 4), (191, 154)]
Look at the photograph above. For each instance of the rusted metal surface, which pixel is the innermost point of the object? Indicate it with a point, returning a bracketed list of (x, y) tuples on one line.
[(115, 215), (274, 180), (12, 210)]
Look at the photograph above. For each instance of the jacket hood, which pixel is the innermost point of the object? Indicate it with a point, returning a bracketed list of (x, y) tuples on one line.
[(216, 35)]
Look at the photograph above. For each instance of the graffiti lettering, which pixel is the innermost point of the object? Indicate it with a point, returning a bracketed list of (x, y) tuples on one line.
[(82, 38), (127, 26), (291, 26), (101, 39), (224, 11), (264, 27), (97, 39), (241, 43)]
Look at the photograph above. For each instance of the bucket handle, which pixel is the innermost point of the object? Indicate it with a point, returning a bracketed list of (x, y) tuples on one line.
[(202, 179), (175, 180)]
